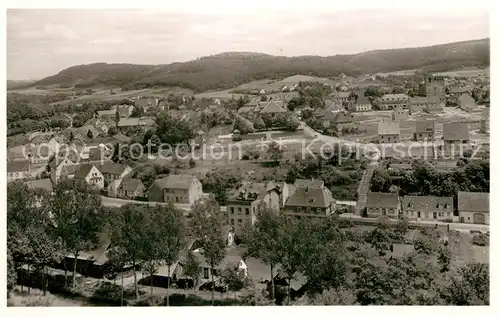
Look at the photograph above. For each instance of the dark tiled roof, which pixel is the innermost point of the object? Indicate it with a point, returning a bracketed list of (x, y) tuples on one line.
[(175, 181), (45, 184), (394, 97), (143, 121), (382, 200), (313, 197), (466, 98), (362, 100), (459, 90), (273, 107), (424, 100), (110, 112), (83, 171), (112, 168), (339, 117), (129, 184), (245, 109), (427, 203), (18, 166), (254, 102), (314, 183), (424, 125), (122, 138), (474, 201), (456, 131), (249, 191)]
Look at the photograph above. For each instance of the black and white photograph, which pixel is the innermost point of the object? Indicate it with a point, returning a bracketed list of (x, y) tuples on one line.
[(255, 155)]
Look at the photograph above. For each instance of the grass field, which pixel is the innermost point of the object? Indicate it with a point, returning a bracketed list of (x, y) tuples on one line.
[(471, 72)]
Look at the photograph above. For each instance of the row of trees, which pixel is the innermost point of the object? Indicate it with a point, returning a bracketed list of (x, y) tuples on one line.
[(426, 179), (356, 266), (42, 229)]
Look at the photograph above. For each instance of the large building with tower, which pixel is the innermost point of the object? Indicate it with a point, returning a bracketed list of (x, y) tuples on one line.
[(435, 87)]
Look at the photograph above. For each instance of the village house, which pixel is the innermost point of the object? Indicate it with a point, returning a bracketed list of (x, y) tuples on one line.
[(339, 120), (17, 153), (145, 103), (424, 130), (177, 188), (454, 95), (361, 105), (485, 121), (62, 167), (126, 188), (426, 104), (435, 87), (124, 110), (388, 132), (106, 114), (379, 204), (18, 170), (340, 97), (272, 108), (456, 133), (113, 171), (102, 126), (474, 207), (90, 174), (400, 114), (391, 101), (309, 199), (231, 258), (136, 122), (467, 103), (163, 105), (243, 205), (428, 208)]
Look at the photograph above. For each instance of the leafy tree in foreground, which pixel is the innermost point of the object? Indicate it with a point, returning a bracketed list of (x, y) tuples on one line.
[(130, 234), (235, 278), (264, 240), (208, 227), (275, 152), (75, 209), (171, 231), (192, 268), (117, 260)]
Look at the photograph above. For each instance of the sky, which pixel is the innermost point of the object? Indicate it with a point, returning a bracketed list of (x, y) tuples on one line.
[(41, 43)]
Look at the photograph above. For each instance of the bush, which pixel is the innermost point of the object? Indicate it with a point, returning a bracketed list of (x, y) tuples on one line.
[(480, 240), (237, 138), (192, 163)]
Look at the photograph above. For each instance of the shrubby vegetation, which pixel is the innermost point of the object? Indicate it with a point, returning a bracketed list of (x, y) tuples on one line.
[(425, 179)]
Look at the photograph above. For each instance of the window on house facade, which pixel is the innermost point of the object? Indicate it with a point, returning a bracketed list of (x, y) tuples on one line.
[(295, 209), (247, 211), (239, 210), (232, 210), (176, 199), (205, 273), (240, 221), (232, 221)]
